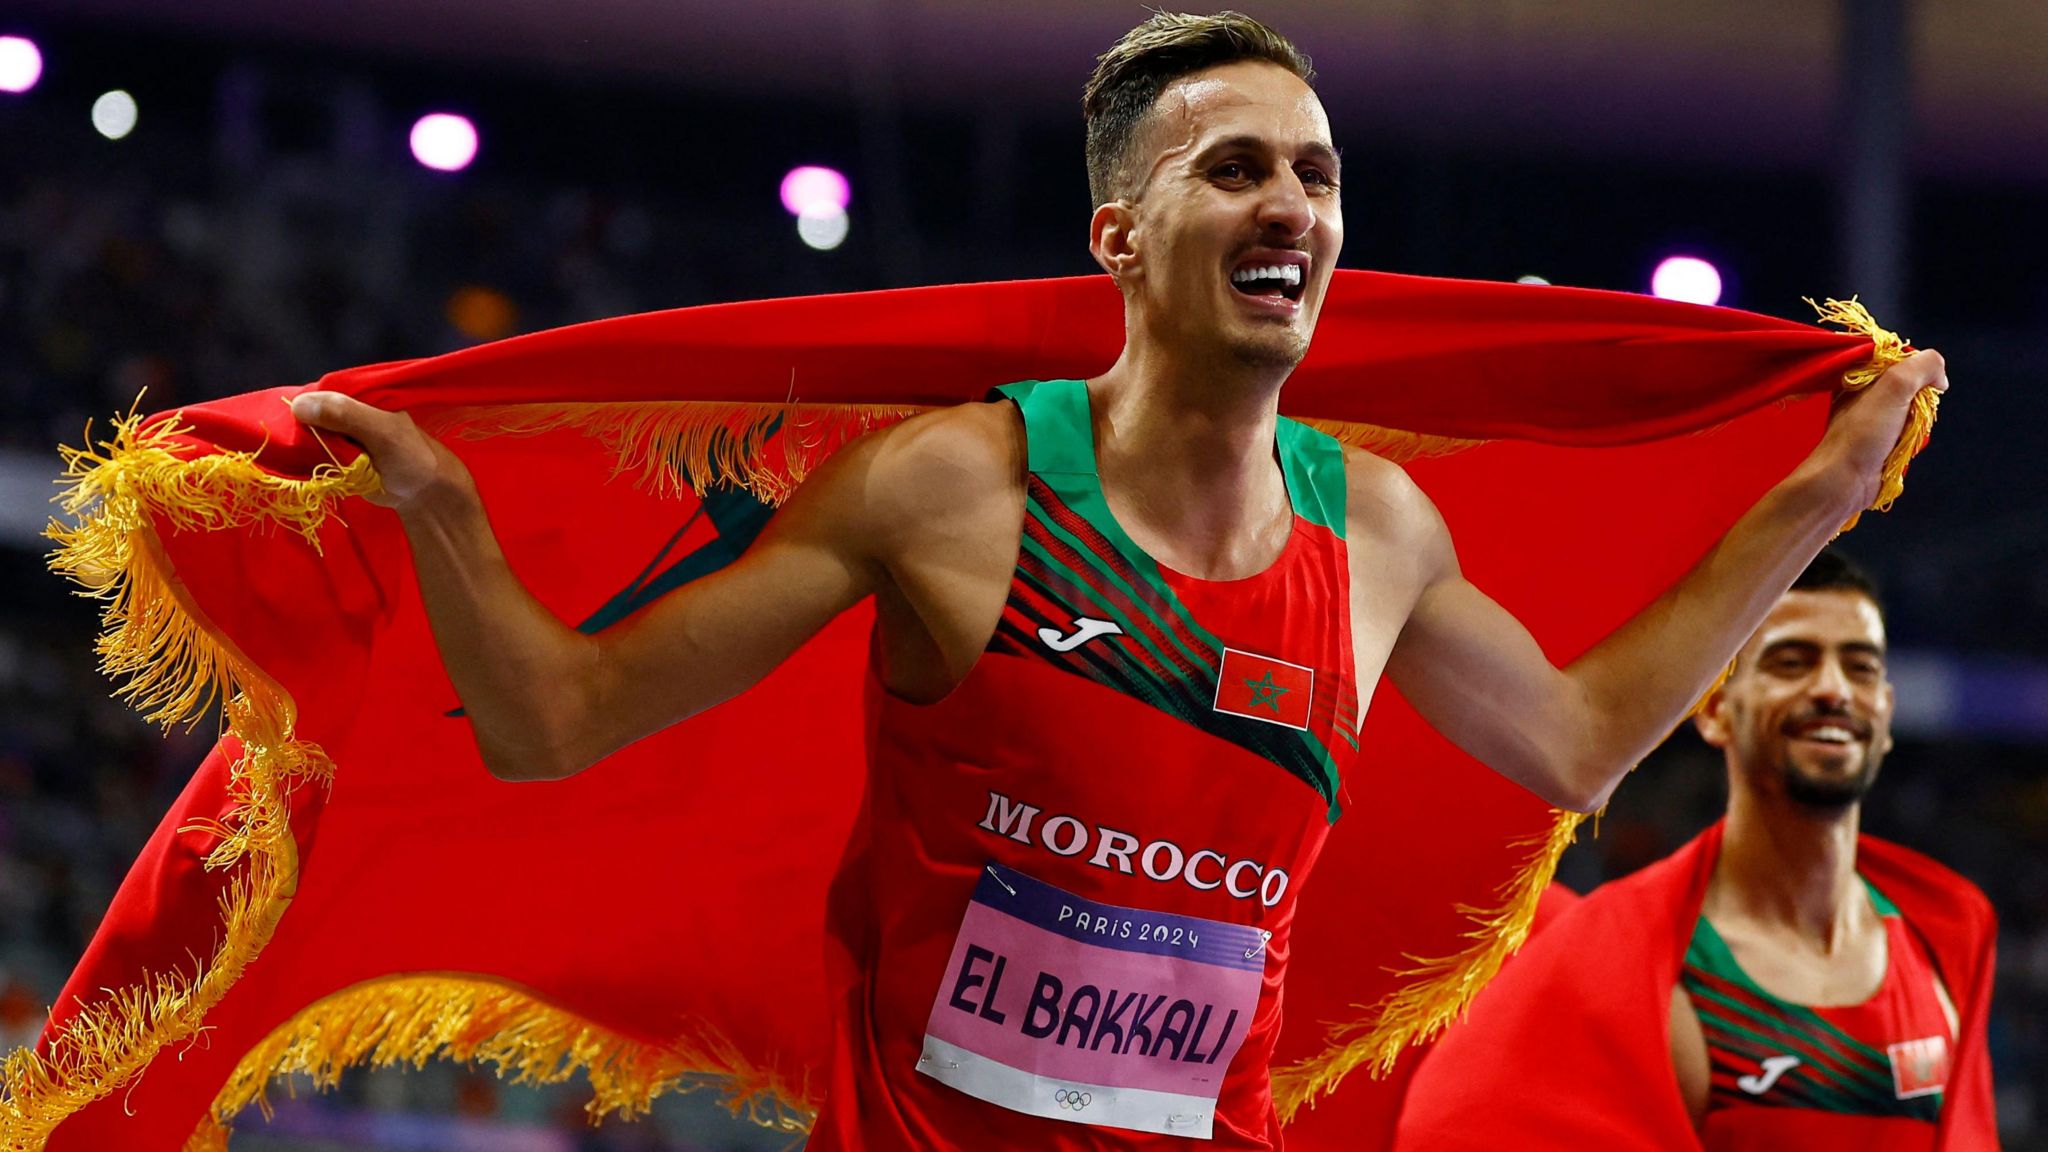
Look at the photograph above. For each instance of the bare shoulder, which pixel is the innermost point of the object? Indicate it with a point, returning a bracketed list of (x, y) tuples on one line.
[(1382, 494), (951, 457), (1384, 505), (942, 508), (930, 476), (979, 445)]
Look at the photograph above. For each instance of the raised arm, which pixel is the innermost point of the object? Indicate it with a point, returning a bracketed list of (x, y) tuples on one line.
[(545, 700), (1570, 734)]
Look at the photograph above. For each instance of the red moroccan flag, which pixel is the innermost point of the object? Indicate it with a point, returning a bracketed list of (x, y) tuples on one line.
[(342, 882)]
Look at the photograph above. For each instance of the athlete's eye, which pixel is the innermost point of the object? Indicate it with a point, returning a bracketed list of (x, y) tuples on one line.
[(1316, 177), (1786, 663), (1231, 172)]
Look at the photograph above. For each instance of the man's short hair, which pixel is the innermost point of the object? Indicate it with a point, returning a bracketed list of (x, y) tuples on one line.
[(1831, 571), (1130, 76)]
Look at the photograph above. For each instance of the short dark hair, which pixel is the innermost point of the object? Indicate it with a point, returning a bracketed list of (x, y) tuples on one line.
[(1832, 571), (1137, 68)]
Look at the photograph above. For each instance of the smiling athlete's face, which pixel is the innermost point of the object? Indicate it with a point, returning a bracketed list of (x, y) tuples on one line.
[(1232, 223), (1806, 715)]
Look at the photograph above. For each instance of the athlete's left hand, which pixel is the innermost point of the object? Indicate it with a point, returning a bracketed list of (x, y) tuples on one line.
[(1866, 424)]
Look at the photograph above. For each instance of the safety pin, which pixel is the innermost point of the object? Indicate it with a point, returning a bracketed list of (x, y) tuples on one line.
[(1263, 937), (999, 879)]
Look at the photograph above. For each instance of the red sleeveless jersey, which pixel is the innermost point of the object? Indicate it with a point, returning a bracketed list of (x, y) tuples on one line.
[(1787, 1076), (1062, 921)]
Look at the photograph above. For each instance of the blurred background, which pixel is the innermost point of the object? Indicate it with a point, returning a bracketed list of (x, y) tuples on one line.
[(197, 200)]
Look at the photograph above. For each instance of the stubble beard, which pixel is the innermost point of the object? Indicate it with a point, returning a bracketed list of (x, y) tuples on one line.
[(1271, 349), (1828, 794)]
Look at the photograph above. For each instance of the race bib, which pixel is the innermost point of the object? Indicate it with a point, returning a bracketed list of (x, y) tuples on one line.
[(1065, 1008)]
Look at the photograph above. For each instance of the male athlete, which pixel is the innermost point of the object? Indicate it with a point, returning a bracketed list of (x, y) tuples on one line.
[(1092, 595), (1780, 983)]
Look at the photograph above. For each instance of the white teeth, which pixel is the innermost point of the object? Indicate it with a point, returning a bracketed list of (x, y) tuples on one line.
[(1285, 273), (1830, 734)]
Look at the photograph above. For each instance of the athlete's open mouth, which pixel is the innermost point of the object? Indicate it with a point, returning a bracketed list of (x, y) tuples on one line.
[(1275, 278)]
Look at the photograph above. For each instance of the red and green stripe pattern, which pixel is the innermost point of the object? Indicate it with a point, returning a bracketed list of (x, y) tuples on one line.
[(1746, 1026), (1068, 569)]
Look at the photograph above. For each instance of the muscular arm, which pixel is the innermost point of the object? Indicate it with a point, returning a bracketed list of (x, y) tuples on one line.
[(1570, 734), (546, 701)]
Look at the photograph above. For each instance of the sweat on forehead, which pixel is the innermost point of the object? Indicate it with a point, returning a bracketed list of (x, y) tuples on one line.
[(1244, 100)]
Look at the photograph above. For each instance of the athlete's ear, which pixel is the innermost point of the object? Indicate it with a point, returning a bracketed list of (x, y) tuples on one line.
[(1711, 720), (1112, 233)]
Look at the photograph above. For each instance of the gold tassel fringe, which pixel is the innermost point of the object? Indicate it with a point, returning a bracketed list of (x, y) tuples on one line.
[(1887, 349), (1435, 991), (174, 667), (169, 665), (691, 445), (208, 1137), (415, 1018), (1391, 443)]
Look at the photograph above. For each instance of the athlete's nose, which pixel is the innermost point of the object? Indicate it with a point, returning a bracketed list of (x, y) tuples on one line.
[(1831, 683), (1285, 212)]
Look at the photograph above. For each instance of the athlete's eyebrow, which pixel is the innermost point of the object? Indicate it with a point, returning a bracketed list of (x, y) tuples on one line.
[(1802, 647), (1314, 150), (1324, 154), (1813, 648)]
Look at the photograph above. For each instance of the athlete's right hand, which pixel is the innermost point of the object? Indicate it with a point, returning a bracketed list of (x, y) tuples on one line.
[(408, 461)]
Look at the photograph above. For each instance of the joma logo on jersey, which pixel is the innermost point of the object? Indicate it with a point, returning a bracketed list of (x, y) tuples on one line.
[(1160, 860), (1262, 688), (1086, 628), (1772, 1067)]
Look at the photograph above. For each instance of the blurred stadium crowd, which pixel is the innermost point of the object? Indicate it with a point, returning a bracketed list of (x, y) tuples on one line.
[(189, 263)]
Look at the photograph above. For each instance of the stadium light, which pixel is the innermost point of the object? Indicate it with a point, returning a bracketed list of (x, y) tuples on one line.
[(1687, 278), (114, 114), (444, 141), (814, 190), (21, 64), (823, 230)]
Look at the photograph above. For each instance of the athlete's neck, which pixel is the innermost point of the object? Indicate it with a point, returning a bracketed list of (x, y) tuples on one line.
[(1187, 461), (1791, 867)]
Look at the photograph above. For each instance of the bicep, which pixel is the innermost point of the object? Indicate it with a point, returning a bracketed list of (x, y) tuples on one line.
[(1475, 673)]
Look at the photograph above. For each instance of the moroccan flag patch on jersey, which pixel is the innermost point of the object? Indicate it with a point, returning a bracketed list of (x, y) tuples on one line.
[(1919, 1067), (1262, 688)]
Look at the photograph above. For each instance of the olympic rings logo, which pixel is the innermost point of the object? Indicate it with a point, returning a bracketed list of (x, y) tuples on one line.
[(1073, 1098)]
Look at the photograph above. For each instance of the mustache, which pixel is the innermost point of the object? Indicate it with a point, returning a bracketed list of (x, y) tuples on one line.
[(1810, 718)]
